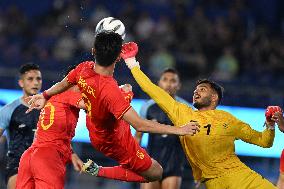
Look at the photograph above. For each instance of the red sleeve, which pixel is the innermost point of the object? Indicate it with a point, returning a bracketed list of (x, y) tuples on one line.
[(116, 102), (72, 76), (128, 96), (282, 162)]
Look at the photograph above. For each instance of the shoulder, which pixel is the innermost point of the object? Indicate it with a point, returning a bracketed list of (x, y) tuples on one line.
[(225, 114), (7, 111), (86, 64), (11, 106)]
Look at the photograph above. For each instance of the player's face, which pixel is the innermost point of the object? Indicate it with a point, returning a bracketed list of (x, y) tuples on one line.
[(202, 96), (170, 83), (31, 82)]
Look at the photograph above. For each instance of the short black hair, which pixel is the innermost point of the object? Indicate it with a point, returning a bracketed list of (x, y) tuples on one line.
[(27, 67), (215, 86), (170, 70), (107, 48)]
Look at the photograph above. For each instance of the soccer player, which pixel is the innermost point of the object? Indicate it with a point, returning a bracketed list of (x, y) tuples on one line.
[(211, 151), (43, 165), (109, 114), (18, 125), (166, 149)]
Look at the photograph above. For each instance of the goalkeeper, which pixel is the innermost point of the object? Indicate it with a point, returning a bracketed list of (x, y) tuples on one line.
[(211, 152)]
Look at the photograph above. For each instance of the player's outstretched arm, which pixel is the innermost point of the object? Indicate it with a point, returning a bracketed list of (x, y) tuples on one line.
[(264, 139), (38, 101), (161, 97), (143, 125)]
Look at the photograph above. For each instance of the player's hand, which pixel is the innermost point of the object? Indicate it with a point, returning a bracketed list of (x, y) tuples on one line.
[(77, 162), (35, 102), (126, 88), (129, 50), (279, 119), (189, 129), (269, 113), (128, 53)]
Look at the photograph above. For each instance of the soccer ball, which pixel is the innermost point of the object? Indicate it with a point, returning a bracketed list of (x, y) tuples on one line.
[(111, 24)]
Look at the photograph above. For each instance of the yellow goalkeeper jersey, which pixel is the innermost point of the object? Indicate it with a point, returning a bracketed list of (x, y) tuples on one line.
[(211, 152)]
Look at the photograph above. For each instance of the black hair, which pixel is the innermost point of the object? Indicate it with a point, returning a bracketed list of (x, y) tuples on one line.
[(107, 48), (171, 70), (215, 86), (27, 67)]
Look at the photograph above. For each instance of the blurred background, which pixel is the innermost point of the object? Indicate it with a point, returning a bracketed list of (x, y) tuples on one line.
[(238, 43)]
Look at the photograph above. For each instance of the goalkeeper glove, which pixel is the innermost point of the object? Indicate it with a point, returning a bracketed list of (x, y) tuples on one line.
[(128, 53)]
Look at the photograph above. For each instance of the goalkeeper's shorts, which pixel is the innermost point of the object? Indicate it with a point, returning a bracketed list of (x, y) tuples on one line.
[(242, 179)]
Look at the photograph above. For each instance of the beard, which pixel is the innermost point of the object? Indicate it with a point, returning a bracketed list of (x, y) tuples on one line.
[(204, 102)]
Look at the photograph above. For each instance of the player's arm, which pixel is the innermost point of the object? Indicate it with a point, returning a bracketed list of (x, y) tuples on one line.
[(5, 117), (161, 97), (143, 125), (138, 136), (76, 161), (264, 139), (1, 132), (39, 100), (59, 87)]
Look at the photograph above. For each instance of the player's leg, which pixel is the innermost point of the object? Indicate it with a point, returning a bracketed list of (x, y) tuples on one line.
[(153, 173), (120, 172), (171, 182), (11, 171), (25, 178), (151, 185), (48, 168), (247, 179), (135, 166), (259, 182)]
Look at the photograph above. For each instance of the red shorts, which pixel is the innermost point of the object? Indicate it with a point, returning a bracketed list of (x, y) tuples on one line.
[(41, 167), (130, 155), (282, 162)]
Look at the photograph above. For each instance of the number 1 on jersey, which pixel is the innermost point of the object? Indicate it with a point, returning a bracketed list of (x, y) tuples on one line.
[(208, 128)]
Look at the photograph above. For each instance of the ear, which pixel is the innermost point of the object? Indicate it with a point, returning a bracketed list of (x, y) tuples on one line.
[(118, 58), (21, 83), (179, 86), (93, 51), (215, 98)]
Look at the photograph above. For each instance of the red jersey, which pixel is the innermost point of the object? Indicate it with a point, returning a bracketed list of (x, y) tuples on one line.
[(282, 162), (58, 120), (105, 104)]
